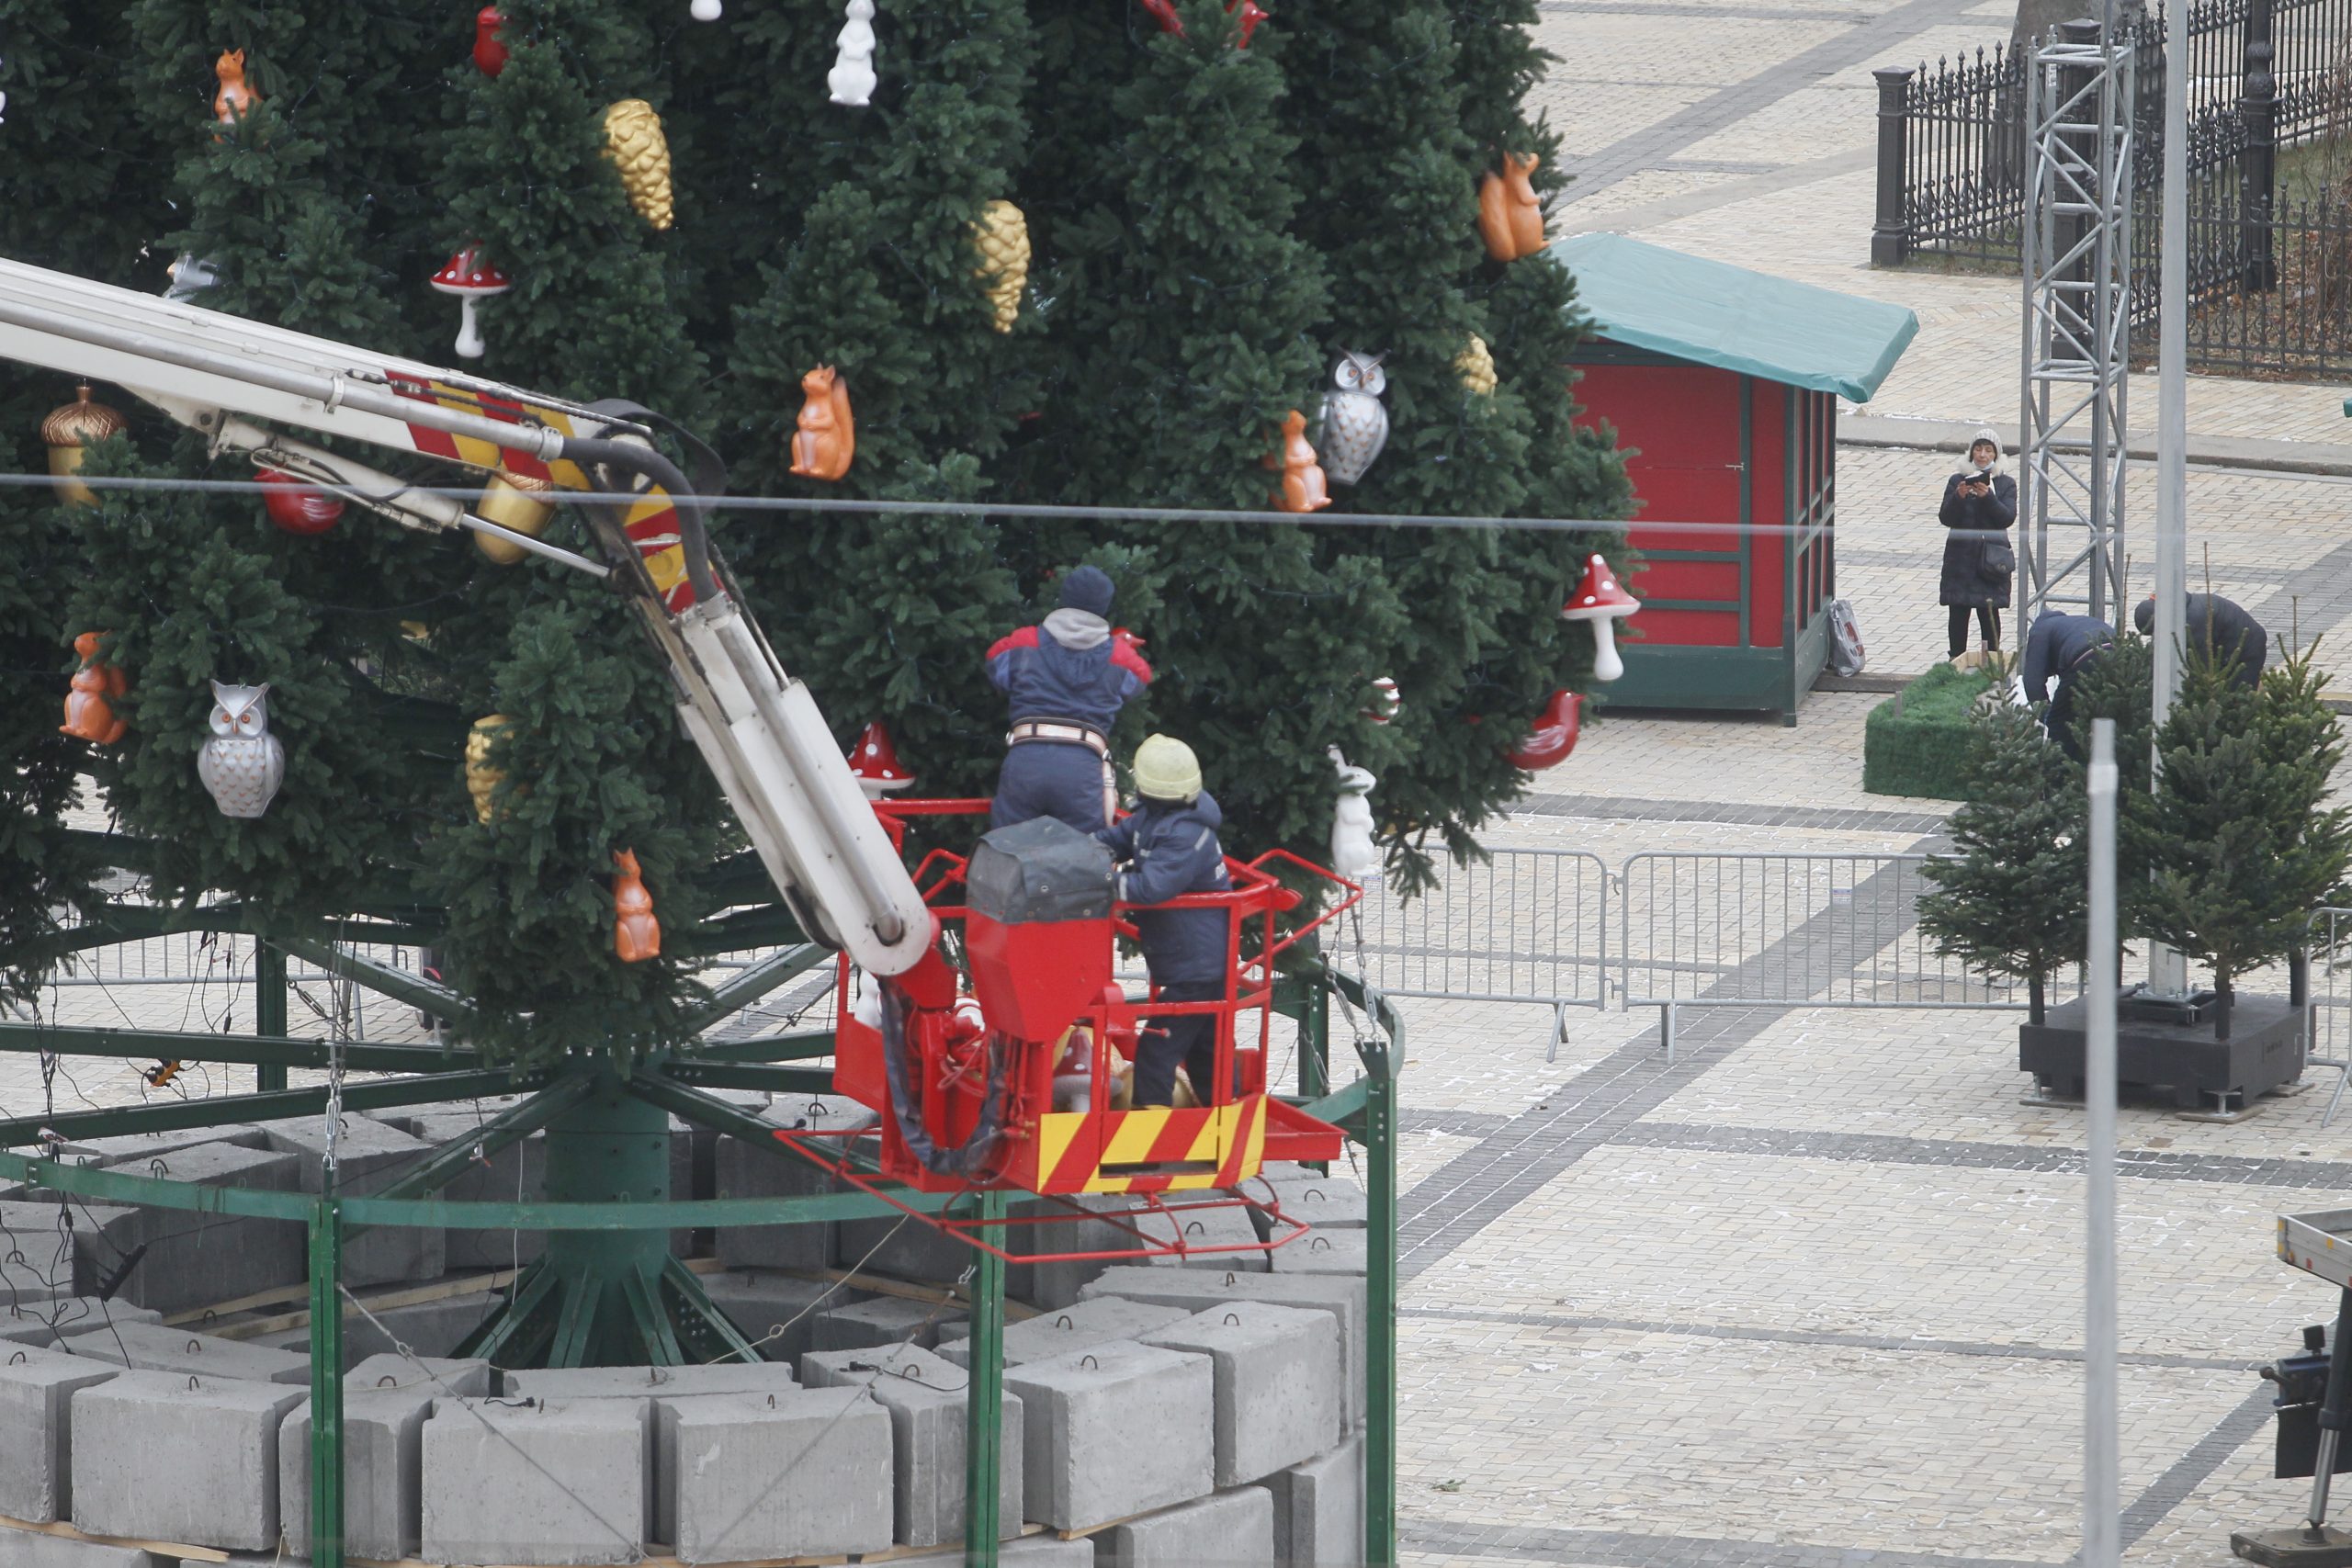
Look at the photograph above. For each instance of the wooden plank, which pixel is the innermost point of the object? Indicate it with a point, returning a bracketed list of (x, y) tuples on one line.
[(895, 1553), (641, 1562), (471, 1285), (160, 1548), (1106, 1525)]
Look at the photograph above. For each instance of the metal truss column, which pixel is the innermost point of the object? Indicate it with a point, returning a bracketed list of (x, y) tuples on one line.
[(2077, 257)]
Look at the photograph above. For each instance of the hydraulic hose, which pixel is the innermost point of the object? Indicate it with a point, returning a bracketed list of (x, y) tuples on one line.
[(966, 1162), (693, 536)]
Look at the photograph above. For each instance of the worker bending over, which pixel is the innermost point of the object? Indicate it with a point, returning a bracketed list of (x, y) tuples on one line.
[(2057, 651), (1068, 679), (1167, 846), (2217, 627)]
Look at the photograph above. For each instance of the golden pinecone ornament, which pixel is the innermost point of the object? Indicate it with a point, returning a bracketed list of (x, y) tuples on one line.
[(633, 140), (481, 779), (80, 425), (1002, 235), (1476, 366)]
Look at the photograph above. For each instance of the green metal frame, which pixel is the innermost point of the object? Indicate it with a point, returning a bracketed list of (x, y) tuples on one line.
[(646, 1303)]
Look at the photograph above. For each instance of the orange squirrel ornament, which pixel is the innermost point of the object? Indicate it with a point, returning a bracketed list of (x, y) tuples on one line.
[(88, 716), (1511, 218), (827, 437), (637, 935), (235, 99), (1303, 485)]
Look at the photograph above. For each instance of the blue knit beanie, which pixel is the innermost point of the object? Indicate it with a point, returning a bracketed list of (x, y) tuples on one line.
[(1089, 588)]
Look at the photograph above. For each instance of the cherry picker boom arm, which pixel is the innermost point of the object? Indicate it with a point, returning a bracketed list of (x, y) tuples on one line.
[(237, 381)]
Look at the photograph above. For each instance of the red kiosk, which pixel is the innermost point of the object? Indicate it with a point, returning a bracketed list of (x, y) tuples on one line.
[(1723, 384)]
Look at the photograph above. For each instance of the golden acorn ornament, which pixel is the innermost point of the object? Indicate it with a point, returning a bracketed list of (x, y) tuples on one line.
[(1001, 233), (633, 140), (481, 779), (1476, 366), (70, 432)]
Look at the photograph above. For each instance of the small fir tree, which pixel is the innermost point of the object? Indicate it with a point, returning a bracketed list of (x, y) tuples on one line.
[(2239, 845), (2013, 899)]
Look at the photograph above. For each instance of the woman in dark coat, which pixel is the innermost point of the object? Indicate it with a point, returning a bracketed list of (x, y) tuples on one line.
[(1980, 503)]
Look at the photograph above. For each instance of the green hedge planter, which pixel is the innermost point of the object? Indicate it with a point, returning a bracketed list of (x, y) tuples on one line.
[(1915, 740)]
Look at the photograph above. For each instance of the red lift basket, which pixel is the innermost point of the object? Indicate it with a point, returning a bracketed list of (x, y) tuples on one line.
[(979, 1054)]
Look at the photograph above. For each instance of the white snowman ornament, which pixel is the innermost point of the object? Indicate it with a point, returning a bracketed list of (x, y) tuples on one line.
[(1353, 854)]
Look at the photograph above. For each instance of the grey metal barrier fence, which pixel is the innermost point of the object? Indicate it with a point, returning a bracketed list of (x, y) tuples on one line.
[(1814, 930), (1522, 926)]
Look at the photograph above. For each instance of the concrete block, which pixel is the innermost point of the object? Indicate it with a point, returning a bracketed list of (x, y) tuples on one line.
[(693, 1164), (36, 1389), (369, 1155), (1080, 1327), (94, 1237), (1277, 1382), (841, 1369), (1328, 1202), (774, 1310), (1056, 1283), (884, 1320), (1318, 1509), (1200, 1289), (151, 1348), (809, 1477), (1120, 1429), (164, 1456), (196, 1260), (383, 1434), (38, 1276), (1232, 1529), (1323, 1252), (767, 1382), (1225, 1225), (928, 1424), (132, 1147), (51, 1322), (550, 1483), (428, 1374), (740, 1170), (650, 1383), (430, 1329), (516, 1173)]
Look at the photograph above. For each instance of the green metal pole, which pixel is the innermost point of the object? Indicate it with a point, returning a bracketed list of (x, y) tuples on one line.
[(1380, 1316), (326, 1385), (984, 1393), (269, 1008)]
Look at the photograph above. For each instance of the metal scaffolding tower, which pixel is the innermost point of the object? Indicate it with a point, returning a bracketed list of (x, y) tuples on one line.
[(2077, 264)]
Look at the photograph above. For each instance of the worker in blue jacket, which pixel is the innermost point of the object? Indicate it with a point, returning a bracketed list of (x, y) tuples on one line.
[(2056, 652), (1168, 847), (1068, 679)]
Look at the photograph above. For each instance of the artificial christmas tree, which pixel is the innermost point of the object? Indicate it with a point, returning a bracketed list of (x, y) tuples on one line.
[(1204, 228)]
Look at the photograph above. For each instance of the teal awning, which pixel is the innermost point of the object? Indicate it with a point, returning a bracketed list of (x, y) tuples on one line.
[(1712, 313)]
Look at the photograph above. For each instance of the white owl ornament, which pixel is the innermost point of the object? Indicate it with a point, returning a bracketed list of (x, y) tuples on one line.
[(1355, 422), (244, 763)]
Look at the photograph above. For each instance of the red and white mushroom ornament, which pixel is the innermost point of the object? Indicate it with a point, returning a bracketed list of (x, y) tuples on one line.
[(1602, 601), (875, 760), (473, 281), (1554, 735)]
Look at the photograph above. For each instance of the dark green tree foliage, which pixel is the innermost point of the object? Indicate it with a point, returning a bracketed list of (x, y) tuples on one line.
[(1209, 227), (2242, 843), (2012, 898)]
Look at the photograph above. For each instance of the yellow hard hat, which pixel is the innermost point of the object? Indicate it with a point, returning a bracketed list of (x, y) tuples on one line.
[(1166, 769)]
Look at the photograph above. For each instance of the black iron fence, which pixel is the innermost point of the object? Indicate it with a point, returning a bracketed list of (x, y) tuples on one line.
[(2266, 77)]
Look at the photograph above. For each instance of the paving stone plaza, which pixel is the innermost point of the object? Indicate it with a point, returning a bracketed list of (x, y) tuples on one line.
[(1809, 1294)]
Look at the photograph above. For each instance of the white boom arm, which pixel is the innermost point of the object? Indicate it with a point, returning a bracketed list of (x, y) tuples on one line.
[(757, 728)]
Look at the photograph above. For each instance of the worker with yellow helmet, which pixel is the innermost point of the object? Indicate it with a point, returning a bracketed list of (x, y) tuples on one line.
[(1168, 847)]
